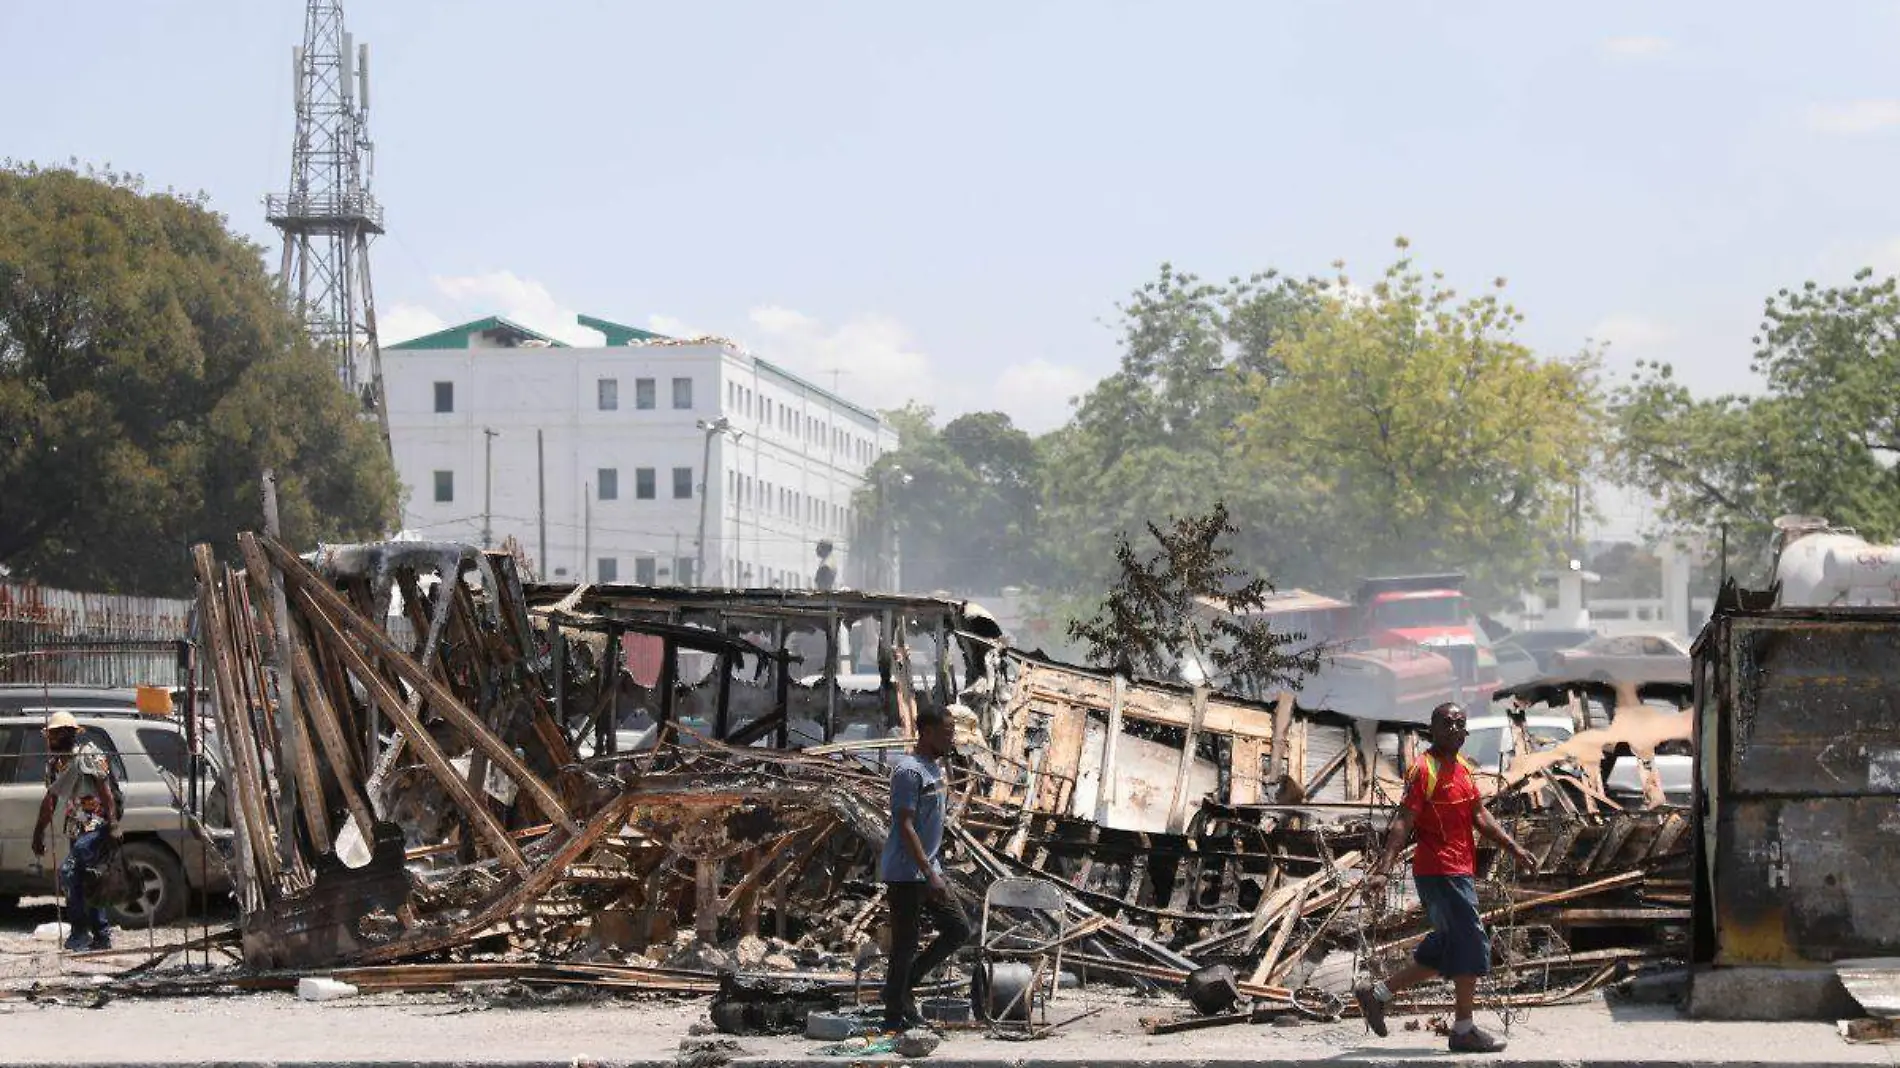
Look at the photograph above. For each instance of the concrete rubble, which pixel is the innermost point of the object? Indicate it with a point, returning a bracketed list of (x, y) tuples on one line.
[(440, 776)]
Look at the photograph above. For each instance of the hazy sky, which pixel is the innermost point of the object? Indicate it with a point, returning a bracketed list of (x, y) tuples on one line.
[(947, 201)]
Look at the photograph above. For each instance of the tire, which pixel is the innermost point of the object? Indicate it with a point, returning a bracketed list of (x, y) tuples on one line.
[(158, 887)]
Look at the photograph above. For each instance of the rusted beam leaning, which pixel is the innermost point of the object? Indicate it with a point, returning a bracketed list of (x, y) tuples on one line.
[(392, 704), (439, 697)]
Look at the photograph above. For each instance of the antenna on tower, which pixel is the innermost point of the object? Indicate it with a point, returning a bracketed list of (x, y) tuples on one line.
[(327, 215)]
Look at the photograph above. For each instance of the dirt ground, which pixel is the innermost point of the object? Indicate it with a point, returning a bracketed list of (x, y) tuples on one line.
[(484, 1027)]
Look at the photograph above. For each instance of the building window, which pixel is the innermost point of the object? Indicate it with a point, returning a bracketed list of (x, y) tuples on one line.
[(444, 486), (608, 482), (644, 395), (682, 394), (643, 483), (445, 396), (608, 569), (607, 394), (683, 571), (682, 483), (643, 571)]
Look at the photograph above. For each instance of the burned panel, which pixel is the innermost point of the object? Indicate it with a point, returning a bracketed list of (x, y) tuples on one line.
[(1807, 880), (1798, 823), (1816, 708)]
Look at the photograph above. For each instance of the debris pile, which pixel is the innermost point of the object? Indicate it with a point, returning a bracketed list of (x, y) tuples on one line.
[(441, 776)]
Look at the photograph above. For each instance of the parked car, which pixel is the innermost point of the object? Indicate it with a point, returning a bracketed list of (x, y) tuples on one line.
[(1655, 657), (1674, 763), (1515, 665), (168, 859), (1543, 644), (30, 696), (1489, 739)]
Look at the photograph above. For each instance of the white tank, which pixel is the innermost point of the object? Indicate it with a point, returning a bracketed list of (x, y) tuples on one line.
[(1820, 565)]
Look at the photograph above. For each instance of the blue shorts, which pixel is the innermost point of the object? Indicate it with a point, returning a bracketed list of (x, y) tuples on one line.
[(1457, 945)]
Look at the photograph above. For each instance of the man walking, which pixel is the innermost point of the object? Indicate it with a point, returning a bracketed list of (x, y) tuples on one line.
[(913, 877), (1441, 803), (79, 783)]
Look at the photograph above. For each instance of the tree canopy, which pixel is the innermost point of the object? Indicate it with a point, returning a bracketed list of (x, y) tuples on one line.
[(1346, 431), (1408, 429), (149, 372), (1821, 437), (965, 497)]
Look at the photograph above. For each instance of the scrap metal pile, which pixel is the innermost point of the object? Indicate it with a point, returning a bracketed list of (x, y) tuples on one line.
[(439, 774)]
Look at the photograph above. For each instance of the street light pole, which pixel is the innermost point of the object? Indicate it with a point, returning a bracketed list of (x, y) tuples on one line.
[(488, 485), (713, 429)]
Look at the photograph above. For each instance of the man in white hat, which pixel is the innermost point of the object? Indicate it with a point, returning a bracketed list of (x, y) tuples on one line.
[(79, 783)]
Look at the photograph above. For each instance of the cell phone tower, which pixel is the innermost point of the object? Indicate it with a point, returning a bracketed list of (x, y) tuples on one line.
[(328, 216)]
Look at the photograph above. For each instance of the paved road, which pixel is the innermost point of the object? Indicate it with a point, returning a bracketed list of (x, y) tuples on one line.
[(442, 1029)]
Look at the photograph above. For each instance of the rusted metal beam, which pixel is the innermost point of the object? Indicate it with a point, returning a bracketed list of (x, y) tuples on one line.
[(439, 697), (393, 705)]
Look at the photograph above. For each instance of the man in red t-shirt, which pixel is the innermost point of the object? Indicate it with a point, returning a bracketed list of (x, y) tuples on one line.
[(1442, 804)]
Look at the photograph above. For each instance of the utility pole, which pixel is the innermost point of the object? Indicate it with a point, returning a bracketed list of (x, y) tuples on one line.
[(327, 214), (713, 429), (541, 504), (488, 485), (587, 531)]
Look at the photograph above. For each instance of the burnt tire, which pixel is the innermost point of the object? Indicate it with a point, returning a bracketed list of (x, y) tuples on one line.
[(158, 890)]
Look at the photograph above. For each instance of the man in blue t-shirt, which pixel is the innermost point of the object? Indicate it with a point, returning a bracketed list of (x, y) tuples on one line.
[(912, 875)]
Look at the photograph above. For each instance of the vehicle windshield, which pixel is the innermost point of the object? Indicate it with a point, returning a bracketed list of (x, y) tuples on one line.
[(1482, 747), (1421, 612)]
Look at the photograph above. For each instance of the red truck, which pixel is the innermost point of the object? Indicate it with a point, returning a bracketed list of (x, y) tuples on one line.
[(1403, 645), (1430, 611)]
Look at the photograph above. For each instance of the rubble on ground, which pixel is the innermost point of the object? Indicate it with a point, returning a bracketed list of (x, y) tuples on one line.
[(663, 789)]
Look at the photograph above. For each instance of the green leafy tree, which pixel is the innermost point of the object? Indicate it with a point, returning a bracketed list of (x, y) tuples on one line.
[(1154, 438), (963, 498), (1185, 603), (149, 372), (1820, 438), (1404, 427)]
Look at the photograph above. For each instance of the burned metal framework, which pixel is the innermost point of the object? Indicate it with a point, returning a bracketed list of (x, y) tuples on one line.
[(430, 760), (1796, 835)]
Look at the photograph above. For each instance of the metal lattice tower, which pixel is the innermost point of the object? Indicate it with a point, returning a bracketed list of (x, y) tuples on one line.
[(328, 215)]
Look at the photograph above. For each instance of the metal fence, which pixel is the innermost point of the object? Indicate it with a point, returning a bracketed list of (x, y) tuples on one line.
[(61, 637)]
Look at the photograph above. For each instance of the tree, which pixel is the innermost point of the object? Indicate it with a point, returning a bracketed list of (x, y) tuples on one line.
[(1154, 437), (1405, 428), (964, 498), (1187, 603), (1820, 438), (148, 373)]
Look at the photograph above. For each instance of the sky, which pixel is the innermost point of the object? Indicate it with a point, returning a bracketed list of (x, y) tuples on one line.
[(946, 203)]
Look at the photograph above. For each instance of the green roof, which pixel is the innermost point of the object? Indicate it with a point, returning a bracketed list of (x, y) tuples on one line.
[(458, 337), (618, 333)]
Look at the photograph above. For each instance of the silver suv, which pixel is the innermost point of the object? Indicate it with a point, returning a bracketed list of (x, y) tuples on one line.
[(168, 858)]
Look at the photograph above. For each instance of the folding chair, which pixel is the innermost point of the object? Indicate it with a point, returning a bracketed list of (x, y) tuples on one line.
[(1018, 971)]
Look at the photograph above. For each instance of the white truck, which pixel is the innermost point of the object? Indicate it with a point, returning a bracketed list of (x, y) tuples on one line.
[(1819, 564)]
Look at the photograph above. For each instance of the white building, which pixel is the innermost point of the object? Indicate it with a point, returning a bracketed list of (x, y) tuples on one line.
[(612, 489)]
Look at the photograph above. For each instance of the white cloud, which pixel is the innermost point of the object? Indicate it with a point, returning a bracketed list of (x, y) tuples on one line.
[(1633, 334), (672, 326), (1635, 47), (1854, 117), (1038, 394), (522, 300), (872, 359), (403, 322)]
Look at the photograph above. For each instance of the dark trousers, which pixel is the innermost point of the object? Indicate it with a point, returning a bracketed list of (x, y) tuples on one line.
[(85, 853), (909, 903)]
